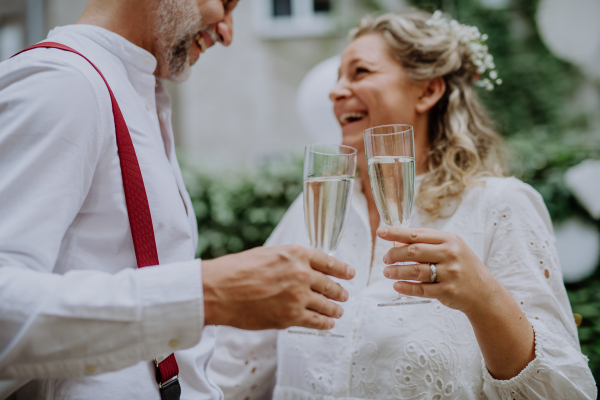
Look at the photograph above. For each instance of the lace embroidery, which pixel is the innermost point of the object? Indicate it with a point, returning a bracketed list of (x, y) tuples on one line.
[(427, 370)]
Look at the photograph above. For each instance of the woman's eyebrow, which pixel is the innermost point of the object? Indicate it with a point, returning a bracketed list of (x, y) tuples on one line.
[(357, 60)]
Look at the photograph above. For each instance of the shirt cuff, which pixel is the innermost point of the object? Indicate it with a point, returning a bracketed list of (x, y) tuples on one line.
[(172, 307), (527, 372)]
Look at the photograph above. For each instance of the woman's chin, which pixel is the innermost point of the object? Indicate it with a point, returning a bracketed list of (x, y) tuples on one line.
[(352, 133)]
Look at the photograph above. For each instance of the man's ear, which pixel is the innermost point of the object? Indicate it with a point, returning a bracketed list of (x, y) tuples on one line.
[(431, 94)]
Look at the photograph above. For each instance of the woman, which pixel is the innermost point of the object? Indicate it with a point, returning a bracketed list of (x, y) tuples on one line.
[(500, 326)]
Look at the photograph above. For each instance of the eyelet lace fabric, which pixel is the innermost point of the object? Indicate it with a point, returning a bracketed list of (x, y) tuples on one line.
[(425, 351)]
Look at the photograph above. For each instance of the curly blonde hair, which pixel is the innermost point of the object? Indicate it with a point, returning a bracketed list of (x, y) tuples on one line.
[(464, 144)]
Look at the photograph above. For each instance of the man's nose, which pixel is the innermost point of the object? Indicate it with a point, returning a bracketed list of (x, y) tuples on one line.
[(225, 30)]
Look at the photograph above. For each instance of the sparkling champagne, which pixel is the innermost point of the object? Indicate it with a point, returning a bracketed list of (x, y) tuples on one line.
[(393, 184), (326, 205)]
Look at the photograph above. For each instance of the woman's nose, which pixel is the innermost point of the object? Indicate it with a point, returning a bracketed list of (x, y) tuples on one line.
[(340, 91), (225, 30)]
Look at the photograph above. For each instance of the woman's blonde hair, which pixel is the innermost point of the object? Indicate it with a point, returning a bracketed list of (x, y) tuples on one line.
[(464, 143)]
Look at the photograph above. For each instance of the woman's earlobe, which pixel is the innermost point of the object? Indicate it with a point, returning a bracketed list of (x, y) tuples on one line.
[(432, 93)]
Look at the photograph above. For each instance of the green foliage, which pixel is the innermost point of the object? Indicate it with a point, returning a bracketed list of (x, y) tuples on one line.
[(535, 83), (237, 212), (541, 159), (585, 300)]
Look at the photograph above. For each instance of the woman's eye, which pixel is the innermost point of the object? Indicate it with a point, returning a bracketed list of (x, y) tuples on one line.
[(360, 70)]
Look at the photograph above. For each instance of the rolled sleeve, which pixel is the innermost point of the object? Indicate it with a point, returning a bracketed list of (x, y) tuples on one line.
[(173, 307), (146, 313), (546, 377)]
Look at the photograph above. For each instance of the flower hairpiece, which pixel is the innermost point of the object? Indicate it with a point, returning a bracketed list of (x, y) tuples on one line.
[(475, 42)]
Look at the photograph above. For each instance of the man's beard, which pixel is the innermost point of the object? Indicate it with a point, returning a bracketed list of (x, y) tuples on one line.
[(177, 22)]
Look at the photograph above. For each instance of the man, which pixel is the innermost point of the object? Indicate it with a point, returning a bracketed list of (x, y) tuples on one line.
[(73, 305)]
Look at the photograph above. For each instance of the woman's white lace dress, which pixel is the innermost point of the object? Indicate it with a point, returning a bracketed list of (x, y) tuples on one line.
[(423, 351)]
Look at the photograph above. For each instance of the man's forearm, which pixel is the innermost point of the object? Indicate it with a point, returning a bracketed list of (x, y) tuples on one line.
[(52, 323)]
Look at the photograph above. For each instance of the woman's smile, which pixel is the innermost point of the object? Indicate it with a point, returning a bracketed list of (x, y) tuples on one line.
[(372, 88)]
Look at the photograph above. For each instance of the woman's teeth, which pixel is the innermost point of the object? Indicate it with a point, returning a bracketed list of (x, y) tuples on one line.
[(351, 117), (201, 42)]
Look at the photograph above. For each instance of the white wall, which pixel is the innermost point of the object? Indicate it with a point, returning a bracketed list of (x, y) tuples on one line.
[(63, 12), (240, 101)]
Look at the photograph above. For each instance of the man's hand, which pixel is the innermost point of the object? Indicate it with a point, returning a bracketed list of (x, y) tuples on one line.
[(275, 287)]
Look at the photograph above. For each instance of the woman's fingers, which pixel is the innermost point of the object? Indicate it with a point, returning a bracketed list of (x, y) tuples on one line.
[(417, 252), (414, 272), (410, 235)]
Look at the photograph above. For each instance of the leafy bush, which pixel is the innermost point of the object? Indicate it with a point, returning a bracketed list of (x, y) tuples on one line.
[(239, 212)]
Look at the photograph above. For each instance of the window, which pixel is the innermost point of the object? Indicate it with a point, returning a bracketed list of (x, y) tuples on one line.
[(320, 6), (282, 8), (21, 24), (293, 18)]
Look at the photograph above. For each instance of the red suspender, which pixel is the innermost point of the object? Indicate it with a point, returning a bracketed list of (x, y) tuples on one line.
[(138, 212)]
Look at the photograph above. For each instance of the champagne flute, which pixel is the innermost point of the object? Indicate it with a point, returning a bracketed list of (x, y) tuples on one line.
[(328, 181), (390, 152)]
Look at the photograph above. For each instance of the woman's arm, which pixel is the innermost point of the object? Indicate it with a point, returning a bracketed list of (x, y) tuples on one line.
[(516, 301), (504, 335)]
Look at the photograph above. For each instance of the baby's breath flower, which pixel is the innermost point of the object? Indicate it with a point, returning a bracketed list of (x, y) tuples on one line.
[(470, 37)]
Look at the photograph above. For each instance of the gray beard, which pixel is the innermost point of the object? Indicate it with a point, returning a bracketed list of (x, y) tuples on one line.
[(177, 22)]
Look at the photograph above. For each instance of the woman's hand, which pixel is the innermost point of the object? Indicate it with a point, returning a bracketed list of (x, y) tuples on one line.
[(462, 282), (503, 332)]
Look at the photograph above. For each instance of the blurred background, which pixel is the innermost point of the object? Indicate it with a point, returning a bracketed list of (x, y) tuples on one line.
[(246, 112)]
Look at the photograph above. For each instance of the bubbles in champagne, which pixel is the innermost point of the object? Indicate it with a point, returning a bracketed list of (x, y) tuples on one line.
[(393, 183), (326, 205)]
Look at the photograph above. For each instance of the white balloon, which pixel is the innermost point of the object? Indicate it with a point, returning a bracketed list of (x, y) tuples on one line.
[(313, 105), (583, 180), (570, 29), (578, 246)]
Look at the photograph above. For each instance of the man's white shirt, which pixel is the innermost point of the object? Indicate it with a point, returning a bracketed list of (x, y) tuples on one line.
[(72, 302)]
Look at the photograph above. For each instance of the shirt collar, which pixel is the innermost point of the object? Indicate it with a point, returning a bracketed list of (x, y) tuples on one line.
[(128, 52)]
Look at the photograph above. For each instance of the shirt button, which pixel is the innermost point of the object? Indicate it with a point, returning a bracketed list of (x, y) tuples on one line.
[(90, 369), (148, 106), (174, 343), (147, 61)]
